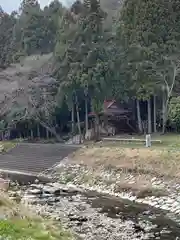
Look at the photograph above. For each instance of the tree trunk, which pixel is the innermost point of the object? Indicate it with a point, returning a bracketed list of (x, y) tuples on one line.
[(139, 116), (20, 135), (164, 113), (78, 121), (86, 114), (8, 134), (155, 122), (167, 93), (32, 136), (72, 119), (51, 130), (149, 116), (47, 134), (38, 131), (97, 133)]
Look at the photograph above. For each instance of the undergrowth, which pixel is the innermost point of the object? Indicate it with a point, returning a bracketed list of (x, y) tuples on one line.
[(26, 229)]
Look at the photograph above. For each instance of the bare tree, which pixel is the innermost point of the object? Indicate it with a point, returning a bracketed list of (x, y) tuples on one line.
[(140, 128), (168, 80), (35, 100), (42, 103)]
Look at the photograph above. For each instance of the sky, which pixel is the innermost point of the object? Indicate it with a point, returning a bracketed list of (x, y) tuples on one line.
[(10, 5)]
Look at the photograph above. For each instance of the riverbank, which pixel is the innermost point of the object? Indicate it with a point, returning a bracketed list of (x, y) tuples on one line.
[(155, 162), (139, 175), (94, 216), (95, 195), (19, 222)]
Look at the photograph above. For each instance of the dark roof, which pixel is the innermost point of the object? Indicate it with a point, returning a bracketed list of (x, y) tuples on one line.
[(111, 107)]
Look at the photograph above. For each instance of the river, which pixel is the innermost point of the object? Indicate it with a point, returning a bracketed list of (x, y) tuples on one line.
[(94, 216)]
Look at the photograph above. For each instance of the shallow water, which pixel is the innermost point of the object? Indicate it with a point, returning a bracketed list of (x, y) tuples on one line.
[(147, 221), (165, 228)]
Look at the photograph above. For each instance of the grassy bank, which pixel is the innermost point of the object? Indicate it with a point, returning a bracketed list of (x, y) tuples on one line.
[(120, 169), (158, 162), (167, 141), (18, 223), (21, 229)]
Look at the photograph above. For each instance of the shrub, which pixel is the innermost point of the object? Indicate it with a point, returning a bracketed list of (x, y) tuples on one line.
[(174, 113)]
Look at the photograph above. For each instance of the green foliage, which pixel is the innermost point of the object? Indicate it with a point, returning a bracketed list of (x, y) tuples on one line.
[(136, 57), (7, 23), (153, 28), (88, 55), (174, 112), (38, 26), (33, 31), (30, 229)]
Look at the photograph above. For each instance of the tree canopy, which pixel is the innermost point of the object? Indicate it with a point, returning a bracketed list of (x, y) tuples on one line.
[(135, 57)]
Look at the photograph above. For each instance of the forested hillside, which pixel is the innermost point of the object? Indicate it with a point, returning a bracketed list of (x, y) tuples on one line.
[(91, 58)]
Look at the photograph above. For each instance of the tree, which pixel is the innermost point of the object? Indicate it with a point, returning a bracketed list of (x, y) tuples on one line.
[(174, 113), (35, 29), (35, 102), (153, 27), (78, 48), (7, 23), (89, 58)]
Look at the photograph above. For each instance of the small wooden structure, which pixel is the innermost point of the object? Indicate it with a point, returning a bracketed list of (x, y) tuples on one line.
[(118, 115)]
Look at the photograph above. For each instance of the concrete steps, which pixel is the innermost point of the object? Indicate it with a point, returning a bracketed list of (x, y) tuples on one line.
[(34, 158)]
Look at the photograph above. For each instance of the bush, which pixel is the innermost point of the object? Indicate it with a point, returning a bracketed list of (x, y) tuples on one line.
[(174, 113)]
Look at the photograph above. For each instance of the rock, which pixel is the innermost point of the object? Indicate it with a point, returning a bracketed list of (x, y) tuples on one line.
[(51, 190), (36, 181), (69, 188), (153, 179), (13, 184), (152, 203), (165, 207), (169, 200), (35, 191), (177, 211), (175, 204), (47, 195), (77, 218), (58, 186), (4, 184), (36, 186), (29, 199)]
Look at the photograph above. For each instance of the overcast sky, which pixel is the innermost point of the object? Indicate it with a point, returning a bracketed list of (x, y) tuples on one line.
[(10, 5)]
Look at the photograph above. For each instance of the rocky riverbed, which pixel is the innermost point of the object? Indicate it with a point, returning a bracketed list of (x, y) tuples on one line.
[(94, 216), (160, 193), (94, 205)]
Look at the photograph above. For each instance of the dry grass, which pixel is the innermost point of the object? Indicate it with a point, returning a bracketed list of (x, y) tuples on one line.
[(159, 162), (8, 145), (168, 141), (140, 188)]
